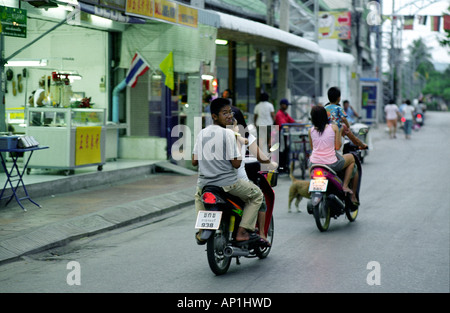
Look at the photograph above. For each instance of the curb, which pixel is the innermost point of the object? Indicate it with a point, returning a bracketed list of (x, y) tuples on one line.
[(60, 233)]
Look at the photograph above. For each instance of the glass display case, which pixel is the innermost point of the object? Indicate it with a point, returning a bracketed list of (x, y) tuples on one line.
[(65, 117), (15, 118), (76, 137)]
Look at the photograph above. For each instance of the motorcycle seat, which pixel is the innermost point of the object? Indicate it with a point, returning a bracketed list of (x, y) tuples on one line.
[(324, 166), (225, 195)]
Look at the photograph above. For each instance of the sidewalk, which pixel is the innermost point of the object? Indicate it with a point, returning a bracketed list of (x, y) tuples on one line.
[(89, 203)]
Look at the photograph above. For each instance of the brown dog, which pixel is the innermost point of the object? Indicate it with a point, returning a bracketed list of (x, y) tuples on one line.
[(298, 190)]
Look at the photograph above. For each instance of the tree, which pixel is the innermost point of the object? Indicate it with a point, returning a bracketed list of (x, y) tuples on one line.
[(422, 57), (417, 69), (438, 85)]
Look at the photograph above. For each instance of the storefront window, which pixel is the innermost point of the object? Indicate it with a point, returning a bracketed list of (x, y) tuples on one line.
[(245, 77)]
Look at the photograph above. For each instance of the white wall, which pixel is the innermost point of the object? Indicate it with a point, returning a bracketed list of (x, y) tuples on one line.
[(336, 75), (87, 47)]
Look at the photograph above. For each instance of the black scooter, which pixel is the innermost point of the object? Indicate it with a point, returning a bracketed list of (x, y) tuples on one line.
[(327, 196)]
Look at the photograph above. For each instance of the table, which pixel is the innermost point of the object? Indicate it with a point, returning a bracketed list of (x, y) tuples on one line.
[(16, 175)]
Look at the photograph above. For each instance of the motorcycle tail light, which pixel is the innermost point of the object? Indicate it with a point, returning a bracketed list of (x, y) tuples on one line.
[(318, 173), (419, 115), (403, 119), (209, 198)]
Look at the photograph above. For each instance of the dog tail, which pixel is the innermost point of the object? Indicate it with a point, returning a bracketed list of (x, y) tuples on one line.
[(291, 171)]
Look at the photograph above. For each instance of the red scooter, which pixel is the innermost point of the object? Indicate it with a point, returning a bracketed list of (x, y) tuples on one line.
[(220, 220)]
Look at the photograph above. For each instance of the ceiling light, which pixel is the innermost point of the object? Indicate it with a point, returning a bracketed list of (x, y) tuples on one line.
[(221, 42), (26, 63), (207, 77)]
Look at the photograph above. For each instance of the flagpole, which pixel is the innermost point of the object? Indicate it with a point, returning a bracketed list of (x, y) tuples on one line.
[(168, 101)]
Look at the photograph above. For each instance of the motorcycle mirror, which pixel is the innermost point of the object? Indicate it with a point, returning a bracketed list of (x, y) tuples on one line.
[(274, 147), (363, 131)]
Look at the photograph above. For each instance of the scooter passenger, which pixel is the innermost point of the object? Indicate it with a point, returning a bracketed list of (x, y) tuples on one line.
[(217, 155), (325, 140)]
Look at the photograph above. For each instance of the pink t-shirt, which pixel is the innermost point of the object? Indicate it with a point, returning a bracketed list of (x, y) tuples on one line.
[(323, 146)]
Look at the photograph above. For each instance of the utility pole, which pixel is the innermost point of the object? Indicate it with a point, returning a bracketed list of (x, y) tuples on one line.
[(392, 57)]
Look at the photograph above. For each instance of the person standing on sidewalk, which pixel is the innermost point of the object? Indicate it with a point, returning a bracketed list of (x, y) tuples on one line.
[(282, 117), (264, 115), (217, 155)]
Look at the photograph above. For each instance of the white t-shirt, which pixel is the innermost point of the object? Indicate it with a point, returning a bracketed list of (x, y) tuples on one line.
[(407, 112), (215, 146), (242, 174), (264, 110), (391, 111)]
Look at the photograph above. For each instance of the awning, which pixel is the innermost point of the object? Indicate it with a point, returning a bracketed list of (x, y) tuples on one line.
[(239, 29), (334, 57)]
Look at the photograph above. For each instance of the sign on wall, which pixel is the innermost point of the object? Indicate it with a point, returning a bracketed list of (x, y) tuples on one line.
[(13, 22), (163, 10), (335, 25)]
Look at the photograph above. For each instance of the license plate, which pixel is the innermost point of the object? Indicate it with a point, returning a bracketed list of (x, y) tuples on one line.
[(208, 220), (318, 185)]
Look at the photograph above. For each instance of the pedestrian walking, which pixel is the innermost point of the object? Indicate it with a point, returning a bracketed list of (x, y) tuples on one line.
[(392, 115), (408, 114)]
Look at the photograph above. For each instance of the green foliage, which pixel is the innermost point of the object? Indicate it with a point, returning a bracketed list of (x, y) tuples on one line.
[(438, 84)]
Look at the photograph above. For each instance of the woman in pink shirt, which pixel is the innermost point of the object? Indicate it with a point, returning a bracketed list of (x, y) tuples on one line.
[(325, 139)]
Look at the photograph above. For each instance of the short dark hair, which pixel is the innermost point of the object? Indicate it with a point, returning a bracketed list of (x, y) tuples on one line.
[(319, 118), (217, 105), (264, 97), (333, 94)]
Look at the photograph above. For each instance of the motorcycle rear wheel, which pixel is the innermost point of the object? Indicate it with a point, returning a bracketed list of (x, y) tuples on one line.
[(351, 215), (322, 215), (215, 246), (263, 252)]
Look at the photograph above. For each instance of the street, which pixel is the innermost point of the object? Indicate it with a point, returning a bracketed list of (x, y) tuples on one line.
[(398, 243)]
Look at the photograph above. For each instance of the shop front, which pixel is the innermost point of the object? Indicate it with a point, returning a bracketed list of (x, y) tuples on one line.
[(57, 89)]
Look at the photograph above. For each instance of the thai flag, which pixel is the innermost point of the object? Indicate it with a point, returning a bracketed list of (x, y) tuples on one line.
[(137, 68)]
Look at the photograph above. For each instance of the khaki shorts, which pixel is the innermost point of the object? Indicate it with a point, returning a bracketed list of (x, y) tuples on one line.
[(390, 123)]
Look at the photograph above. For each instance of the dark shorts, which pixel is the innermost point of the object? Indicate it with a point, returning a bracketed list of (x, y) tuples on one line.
[(339, 164)]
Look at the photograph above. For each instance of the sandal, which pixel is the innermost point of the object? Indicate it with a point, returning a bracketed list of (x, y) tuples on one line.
[(264, 243), (253, 237), (200, 241)]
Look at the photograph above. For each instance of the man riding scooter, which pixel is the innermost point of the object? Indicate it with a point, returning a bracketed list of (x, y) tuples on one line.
[(217, 155)]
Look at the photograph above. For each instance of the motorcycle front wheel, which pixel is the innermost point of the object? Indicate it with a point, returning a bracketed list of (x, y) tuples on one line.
[(322, 215), (215, 246)]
